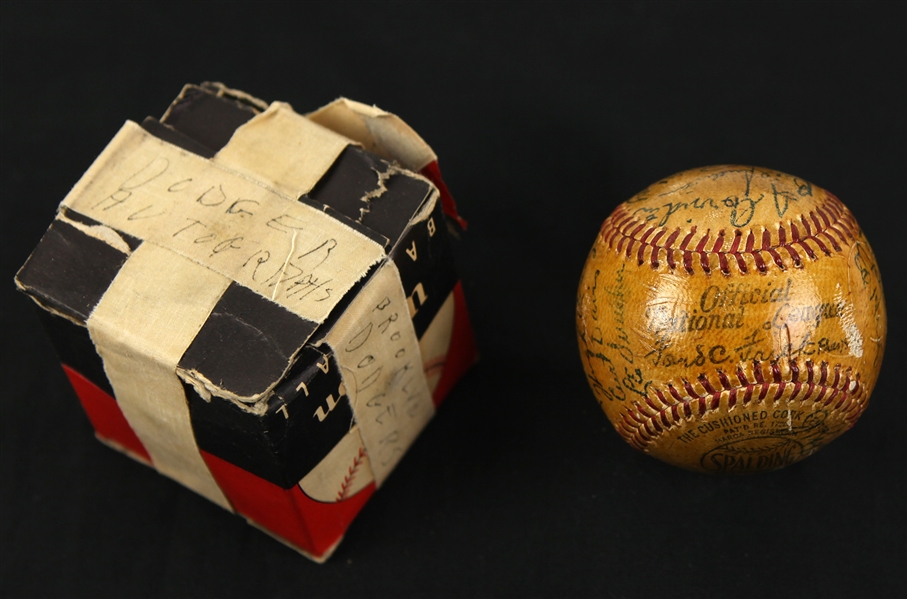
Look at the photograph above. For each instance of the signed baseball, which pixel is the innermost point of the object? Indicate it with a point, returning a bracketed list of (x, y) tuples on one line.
[(731, 319)]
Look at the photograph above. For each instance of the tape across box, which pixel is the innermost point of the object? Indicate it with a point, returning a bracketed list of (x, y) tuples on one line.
[(259, 304)]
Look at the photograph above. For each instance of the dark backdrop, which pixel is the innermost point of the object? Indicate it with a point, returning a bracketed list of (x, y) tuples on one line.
[(545, 117)]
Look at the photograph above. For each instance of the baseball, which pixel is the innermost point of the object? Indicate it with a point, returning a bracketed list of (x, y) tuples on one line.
[(730, 319)]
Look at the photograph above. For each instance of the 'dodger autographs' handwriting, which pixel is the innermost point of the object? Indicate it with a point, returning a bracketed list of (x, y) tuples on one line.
[(274, 245)]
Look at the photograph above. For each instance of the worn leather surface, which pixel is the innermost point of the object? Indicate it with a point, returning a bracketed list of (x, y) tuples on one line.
[(731, 319)]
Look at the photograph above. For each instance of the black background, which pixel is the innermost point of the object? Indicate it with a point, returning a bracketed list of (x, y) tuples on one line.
[(545, 116)]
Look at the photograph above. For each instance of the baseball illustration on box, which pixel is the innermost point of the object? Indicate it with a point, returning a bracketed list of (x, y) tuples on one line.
[(731, 319), (261, 305)]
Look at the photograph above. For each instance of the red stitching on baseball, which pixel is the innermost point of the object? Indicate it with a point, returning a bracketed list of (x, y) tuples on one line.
[(662, 411), (350, 475), (813, 233)]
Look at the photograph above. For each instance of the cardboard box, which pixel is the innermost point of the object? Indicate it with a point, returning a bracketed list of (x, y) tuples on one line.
[(261, 305)]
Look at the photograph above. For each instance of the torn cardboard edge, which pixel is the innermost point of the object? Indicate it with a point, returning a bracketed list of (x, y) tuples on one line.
[(35, 297), (222, 91), (101, 232), (388, 136), (379, 132)]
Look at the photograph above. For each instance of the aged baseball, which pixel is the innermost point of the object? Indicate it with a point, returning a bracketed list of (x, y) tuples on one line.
[(731, 319)]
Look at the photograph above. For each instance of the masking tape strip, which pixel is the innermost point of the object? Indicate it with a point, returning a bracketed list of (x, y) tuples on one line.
[(375, 344), (239, 227), (379, 132), (141, 327), (283, 148), (269, 146), (266, 146)]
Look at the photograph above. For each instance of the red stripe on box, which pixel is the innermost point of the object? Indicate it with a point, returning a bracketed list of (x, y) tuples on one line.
[(461, 354), (105, 415), (311, 526), (432, 172)]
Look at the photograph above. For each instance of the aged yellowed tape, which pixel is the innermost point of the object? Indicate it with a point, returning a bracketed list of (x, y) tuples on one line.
[(284, 149), (228, 222), (379, 132), (141, 327), (375, 345)]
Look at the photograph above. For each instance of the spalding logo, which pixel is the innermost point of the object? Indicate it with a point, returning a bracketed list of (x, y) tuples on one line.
[(752, 454)]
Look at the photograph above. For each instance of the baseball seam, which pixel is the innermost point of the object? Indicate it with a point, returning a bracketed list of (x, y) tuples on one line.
[(350, 475), (823, 228), (644, 422)]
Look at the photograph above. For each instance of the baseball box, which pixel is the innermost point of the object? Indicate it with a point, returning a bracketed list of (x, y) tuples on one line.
[(259, 304)]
